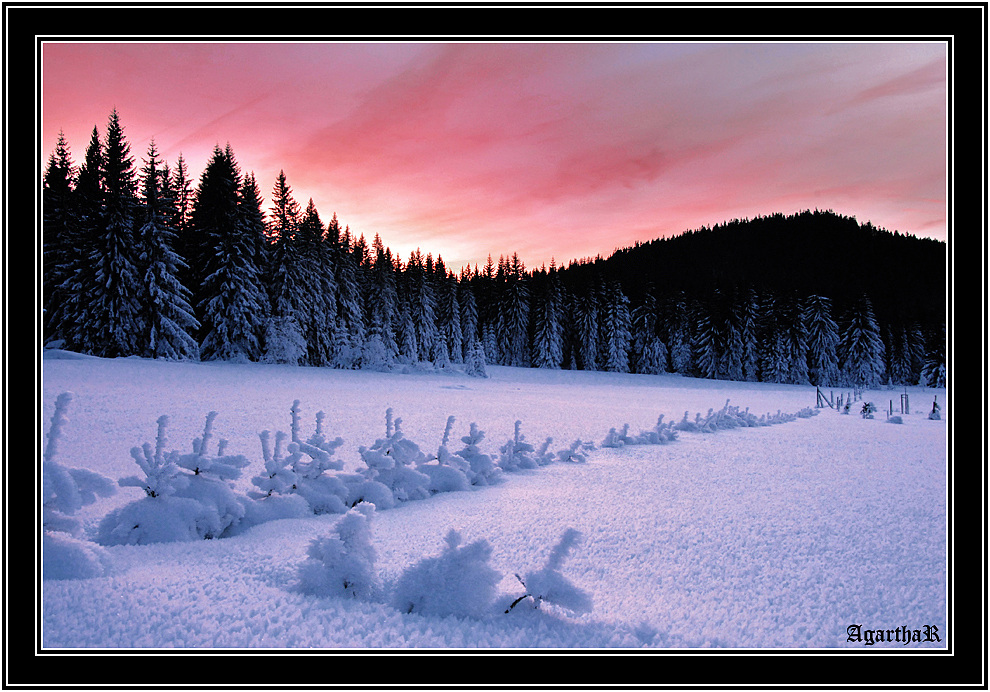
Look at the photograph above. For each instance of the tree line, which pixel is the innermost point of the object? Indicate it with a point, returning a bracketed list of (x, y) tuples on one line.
[(141, 262)]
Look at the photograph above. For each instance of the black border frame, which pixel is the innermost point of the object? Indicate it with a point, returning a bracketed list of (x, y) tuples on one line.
[(963, 666)]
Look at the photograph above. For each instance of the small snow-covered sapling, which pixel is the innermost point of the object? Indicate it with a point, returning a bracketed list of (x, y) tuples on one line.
[(868, 410), (66, 490), (548, 585), (571, 454), (343, 564), (457, 582), (517, 454), (162, 475)]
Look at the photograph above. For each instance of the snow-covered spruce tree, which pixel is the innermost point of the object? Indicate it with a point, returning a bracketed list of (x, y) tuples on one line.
[(382, 347), (616, 328), (933, 371), (289, 281), (775, 354), (422, 309), (64, 492), (71, 316), (483, 469), (585, 311), (513, 324), (459, 582), (548, 330), (823, 341), (745, 309), (676, 324), (475, 364), (861, 351), (406, 335), (649, 353), (59, 237), (707, 344), (393, 461), (795, 339), (517, 454), (114, 320), (293, 474), (547, 586), (161, 516), (451, 472), (177, 506), (343, 564), (320, 287), (233, 305), (898, 356), (168, 317), (350, 329), (469, 316), (449, 318)]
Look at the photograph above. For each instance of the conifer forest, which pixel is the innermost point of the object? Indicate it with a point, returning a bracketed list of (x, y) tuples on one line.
[(142, 258)]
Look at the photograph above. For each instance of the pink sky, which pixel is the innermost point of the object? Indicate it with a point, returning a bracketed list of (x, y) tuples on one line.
[(563, 150)]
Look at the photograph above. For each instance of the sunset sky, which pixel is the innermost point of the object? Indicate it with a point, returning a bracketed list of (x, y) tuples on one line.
[(562, 150)]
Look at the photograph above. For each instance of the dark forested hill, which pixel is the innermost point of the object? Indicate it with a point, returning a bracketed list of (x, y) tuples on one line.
[(808, 253)]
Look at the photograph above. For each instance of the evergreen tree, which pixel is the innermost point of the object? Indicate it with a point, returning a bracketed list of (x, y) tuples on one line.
[(548, 331), (285, 341), (586, 328), (775, 353), (861, 350), (449, 316), (114, 322), (422, 309), (795, 337), (934, 369), (469, 315), (514, 315), (60, 237), (707, 342), (79, 271), (349, 336), (169, 320), (616, 325), (746, 312), (823, 341), (383, 303), (232, 308), (676, 324), (319, 287)]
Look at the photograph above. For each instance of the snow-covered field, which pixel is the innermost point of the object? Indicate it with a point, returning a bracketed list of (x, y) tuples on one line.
[(778, 536)]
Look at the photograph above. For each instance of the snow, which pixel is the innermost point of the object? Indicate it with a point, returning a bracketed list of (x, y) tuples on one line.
[(778, 536)]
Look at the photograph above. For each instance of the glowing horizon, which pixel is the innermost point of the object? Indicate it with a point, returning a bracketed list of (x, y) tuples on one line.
[(553, 150)]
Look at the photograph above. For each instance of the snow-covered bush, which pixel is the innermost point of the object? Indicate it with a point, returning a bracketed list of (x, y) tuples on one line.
[(64, 491), (484, 470), (571, 454), (896, 419), (517, 454), (868, 410), (548, 585), (544, 456), (295, 474), (343, 564), (392, 461), (177, 506), (457, 582), (450, 472)]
